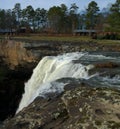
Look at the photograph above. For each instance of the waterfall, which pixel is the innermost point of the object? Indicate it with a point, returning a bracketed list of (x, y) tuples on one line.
[(46, 73)]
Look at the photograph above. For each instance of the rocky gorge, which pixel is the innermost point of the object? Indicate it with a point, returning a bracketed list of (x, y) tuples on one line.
[(82, 105)]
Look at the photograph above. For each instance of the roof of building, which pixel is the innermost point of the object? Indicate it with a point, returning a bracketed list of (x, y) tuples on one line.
[(7, 30), (84, 31)]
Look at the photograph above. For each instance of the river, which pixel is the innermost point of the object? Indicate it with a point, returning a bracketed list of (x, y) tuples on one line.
[(53, 72)]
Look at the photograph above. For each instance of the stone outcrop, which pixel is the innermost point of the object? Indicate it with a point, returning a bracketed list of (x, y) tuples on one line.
[(107, 65), (79, 107), (21, 52), (13, 53)]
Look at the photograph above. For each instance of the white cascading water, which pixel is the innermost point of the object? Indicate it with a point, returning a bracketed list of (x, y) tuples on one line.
[(46, 73)]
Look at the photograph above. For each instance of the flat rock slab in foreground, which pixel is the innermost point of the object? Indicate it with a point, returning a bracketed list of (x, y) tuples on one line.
[(79, 107)]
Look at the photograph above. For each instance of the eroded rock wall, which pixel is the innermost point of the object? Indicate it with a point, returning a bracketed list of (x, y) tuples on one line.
[(13, 53)]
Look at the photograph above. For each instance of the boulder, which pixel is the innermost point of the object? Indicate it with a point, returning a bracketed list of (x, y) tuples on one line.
[(107, 65), (80, 107)]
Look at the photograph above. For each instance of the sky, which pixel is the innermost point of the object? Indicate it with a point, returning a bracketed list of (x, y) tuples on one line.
[(82, 4)]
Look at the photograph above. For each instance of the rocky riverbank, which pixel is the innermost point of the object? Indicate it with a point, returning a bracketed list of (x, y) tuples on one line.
[(23, 52), (79, 107)]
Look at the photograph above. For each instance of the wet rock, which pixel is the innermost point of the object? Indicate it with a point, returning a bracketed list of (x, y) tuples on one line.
[(77, 108), (99, 112), (107, 65), (105, 69)]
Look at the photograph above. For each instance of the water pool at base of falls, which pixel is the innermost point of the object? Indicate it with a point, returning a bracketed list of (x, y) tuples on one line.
[(75, 65)]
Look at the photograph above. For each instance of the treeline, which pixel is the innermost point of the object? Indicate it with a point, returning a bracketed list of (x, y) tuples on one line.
[(61, 19)]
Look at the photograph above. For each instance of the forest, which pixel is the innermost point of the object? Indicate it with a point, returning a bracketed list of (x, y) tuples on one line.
[(61, 19)]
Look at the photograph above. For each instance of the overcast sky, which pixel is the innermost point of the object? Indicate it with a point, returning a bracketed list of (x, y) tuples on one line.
[(82, 4)]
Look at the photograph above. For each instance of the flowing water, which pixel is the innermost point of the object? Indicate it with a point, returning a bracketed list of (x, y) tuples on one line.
[(47, 74)]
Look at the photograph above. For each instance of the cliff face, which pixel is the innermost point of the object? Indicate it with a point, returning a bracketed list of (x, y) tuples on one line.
[(18, 52), (13, 53), (79, 107)]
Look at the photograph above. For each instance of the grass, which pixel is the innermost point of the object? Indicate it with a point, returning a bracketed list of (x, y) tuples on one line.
[(65, 38), (108, 42), (56, 38)]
